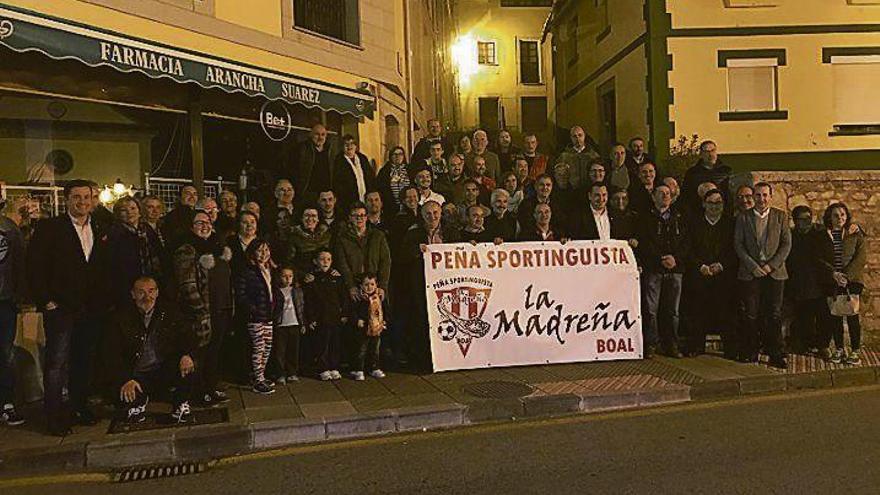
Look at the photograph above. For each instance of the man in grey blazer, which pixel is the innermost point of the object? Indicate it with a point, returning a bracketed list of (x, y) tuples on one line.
[(762, 241)]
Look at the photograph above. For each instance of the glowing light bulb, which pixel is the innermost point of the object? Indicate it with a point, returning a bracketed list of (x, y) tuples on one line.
[(106, 196), (119, 188)]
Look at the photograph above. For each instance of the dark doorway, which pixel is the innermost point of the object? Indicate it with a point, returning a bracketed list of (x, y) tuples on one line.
[(607, 115), (489, 114)]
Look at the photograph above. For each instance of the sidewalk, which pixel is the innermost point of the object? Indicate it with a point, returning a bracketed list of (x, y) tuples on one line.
[(314, 411)]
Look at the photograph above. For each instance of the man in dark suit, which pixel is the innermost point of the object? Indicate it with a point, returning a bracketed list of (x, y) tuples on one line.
[(67, 277), (762, 240), (313, 170), (353, 174), (595, 222)]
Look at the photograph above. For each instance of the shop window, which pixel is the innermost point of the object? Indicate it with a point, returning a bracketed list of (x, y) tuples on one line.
[(533, 110), (856, 83), (486, 53), (529, 62), (337, 19)]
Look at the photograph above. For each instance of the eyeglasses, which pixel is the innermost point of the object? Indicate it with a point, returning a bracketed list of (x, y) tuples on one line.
[(745, 196), (201, 223), (358, 215)]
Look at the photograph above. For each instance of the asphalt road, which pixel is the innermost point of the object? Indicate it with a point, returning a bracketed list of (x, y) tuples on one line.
[(826, 442)]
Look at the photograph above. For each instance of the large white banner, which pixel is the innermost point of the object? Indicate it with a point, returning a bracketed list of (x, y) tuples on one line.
[(532, 303)]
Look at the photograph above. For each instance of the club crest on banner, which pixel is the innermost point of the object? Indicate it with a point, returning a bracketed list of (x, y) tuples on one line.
[(462, 308)]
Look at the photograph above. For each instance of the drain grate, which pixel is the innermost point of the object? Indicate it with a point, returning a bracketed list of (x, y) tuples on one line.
[(497, 389), (155, 472)]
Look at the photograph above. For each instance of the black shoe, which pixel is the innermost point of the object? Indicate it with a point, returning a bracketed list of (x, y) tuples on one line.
[(9, 416), (650, 351), (778, 362), (673, 352), (84, 417)]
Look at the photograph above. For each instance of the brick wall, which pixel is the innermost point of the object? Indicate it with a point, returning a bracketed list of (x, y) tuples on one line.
[(860, 190)]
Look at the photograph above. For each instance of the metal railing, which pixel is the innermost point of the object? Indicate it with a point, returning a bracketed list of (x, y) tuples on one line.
[(48, 197), (168, 189)]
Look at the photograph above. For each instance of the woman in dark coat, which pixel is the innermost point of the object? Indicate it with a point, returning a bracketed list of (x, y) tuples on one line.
[(134, 251), (393, 178), (306, 239), (840, 262)]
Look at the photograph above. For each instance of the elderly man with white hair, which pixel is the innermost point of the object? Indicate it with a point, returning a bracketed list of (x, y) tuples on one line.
[(501, 224), (493, 164)]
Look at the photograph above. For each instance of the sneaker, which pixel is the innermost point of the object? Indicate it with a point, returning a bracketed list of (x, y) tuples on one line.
[(263, 388), (377, 374), (136, 415), (182, 413), (326, 376), (336, 374), (220, 397), (854, 358), (292, 378), (10, 417), (281, 380), (357, 376), (838, 356)]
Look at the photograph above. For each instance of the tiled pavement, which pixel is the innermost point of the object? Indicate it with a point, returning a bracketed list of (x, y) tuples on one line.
[(311, 400)]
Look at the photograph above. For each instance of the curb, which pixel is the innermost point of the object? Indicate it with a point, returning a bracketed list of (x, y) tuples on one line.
[(218, 441)]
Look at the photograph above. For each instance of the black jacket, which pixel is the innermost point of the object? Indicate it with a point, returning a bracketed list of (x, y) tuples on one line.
[(344, 181), (304, 177), (58, 270), (505, 228), (125, 263), (719, 175), (326, 299), (583, 225), (659, 237), (125, 335), (252, 296), (712, 244)]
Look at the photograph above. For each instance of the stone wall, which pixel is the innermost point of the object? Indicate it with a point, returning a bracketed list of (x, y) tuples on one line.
[(860, 190)]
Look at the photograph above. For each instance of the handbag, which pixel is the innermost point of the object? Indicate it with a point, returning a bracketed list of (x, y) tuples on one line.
[(844, 304)]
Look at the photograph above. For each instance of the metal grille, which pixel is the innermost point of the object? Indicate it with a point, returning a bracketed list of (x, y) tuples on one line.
[(154, 472), (168, 189), (497, 389), (49, 198)]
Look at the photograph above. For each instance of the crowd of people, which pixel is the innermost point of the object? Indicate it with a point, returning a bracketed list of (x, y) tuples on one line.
[(327, 275)]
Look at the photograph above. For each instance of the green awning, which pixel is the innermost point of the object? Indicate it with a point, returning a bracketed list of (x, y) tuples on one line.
[(27, 31)]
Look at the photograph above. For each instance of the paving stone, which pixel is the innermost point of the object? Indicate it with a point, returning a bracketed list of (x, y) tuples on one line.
[(715, 390), (274, 434), (666, 395), (548, 405), (408, 385), (46, 458), (818, 379), (371, 404), (263, 414), (317, 395), (361, 425), (488, 410), (211, 442), (531, 374), (281, 398), (327, 409), (370, 387), (853, 377), (128, 452), (609, 401), (763, 384), (430, 417), (429, 399)]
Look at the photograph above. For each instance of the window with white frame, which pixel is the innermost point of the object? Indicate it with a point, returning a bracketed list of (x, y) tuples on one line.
[(752, 85), (486, 53), (856, 90)]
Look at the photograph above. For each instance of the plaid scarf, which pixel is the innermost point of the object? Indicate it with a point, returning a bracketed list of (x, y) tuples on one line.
[(148, 254)]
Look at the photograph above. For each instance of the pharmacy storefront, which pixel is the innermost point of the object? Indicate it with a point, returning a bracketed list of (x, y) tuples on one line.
[(78, 101)]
